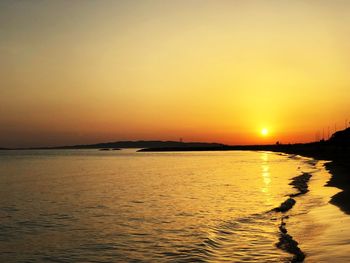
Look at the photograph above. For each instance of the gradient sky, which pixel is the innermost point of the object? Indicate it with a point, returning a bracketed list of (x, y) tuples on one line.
[(76, 72)]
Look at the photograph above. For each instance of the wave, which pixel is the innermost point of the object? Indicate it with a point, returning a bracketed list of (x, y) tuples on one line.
[(286, 241)]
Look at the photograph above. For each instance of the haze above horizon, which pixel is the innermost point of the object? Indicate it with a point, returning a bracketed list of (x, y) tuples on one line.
[(233, 72)]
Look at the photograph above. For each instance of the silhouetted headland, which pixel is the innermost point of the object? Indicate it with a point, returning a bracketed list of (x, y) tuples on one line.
[(140, 144), (129, 144)]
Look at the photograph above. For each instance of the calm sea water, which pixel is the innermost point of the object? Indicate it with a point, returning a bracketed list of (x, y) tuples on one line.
[(124, 206)]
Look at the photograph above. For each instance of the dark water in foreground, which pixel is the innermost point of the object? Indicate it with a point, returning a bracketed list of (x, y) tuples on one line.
[(92, 206)]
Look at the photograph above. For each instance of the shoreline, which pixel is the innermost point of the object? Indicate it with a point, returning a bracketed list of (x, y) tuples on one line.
[(286, 241), (338, 167)]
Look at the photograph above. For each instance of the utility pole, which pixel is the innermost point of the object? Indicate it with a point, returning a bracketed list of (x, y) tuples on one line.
[(323, 134), (328, 133)]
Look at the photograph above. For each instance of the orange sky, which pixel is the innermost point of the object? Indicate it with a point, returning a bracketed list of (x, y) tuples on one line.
[(76, 72)]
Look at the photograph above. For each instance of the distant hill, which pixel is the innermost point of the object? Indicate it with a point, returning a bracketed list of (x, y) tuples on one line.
[(341, 138), (139, 144)]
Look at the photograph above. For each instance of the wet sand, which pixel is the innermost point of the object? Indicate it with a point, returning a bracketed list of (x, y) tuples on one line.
[(321, 229)]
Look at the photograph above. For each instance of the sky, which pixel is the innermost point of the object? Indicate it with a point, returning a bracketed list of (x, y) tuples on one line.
[(75, 72)]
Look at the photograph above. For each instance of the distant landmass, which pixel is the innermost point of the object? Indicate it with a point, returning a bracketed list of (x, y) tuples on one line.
[(327, 149), (138, 144)]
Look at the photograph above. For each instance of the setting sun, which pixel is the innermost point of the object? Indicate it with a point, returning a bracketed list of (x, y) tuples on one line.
[(264, 132)]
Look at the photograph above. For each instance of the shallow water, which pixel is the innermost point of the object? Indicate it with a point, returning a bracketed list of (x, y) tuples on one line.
[(88, 205)]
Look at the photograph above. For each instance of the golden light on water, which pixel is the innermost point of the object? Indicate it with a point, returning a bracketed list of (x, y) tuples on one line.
[(266, 177)]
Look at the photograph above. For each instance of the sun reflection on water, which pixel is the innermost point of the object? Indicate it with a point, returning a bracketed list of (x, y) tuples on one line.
[(265, 173)]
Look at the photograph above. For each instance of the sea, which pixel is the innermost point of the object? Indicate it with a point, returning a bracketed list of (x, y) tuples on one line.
[(129, 206)]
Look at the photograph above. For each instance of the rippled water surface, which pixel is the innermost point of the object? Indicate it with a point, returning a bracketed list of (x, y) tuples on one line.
[(116, 206)]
